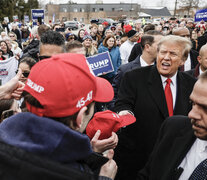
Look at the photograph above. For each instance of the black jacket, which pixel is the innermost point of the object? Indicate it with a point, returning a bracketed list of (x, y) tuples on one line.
[(119, 75), (174, 141), (136, 51), (141, 92)]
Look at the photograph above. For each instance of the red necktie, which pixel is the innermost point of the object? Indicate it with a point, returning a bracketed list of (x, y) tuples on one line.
[(168, 96)]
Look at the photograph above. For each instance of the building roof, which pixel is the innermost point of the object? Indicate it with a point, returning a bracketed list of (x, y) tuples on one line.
[(156, 12)]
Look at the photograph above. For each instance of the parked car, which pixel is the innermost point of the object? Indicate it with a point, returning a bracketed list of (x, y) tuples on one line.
[(71, 24), (101, 20)]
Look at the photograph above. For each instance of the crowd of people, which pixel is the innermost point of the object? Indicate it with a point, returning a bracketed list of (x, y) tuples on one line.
[(49, 95)]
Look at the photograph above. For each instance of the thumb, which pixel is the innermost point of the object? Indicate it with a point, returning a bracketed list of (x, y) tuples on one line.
[(110, 154), (96, 136), (19, 74)]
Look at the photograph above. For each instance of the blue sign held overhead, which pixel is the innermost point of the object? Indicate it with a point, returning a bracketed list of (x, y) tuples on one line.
[(100, 63), (201, 15), (37, 14)]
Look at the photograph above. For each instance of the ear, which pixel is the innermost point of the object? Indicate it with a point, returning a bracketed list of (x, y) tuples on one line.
[(199, 59), (146, 47), (80, 117)]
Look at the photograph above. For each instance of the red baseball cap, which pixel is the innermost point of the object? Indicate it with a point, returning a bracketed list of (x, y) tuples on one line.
[(63, 84), (127, 28), (105, 23), (107, 122)]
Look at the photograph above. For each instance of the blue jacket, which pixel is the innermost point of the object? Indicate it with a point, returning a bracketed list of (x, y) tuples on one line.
[(115, 58)]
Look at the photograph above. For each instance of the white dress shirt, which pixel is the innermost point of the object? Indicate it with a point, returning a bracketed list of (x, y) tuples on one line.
[(193, 158), (173, 86), (143, 62), (187, 65)]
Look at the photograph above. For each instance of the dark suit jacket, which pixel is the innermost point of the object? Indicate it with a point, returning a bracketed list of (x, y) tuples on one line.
[(194, 72), (118, 77), (135, 52), (202, 40), (141, 92), (193, 57), (175, 139)]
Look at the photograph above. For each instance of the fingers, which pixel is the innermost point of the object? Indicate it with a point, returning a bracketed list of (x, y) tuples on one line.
[(96, 136), (19, 74), (121, 113), (110, 154)]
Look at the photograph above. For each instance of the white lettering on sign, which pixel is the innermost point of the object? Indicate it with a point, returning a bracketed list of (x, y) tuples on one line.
[(38, 14), (99, 64), (34, 86), (83, 100)]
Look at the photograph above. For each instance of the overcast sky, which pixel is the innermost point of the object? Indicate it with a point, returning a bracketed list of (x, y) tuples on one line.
[(143, 3)]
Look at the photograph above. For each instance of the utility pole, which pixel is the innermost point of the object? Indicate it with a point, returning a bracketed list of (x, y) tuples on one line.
[(175, 7)]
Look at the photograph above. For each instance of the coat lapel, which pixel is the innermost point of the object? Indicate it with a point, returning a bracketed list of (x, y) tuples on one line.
[(180, 148), (156, 91), (182, 98)]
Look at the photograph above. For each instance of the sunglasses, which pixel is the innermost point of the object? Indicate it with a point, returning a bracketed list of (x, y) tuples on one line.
[(25, 74), (44, 57), (11, 36), (71, 38)]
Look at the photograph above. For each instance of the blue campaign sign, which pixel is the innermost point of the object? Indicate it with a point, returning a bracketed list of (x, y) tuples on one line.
[(201, 15), (100, 63), (36, 14)]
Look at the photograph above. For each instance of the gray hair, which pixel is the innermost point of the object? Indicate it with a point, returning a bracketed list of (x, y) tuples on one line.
[(186, 43)]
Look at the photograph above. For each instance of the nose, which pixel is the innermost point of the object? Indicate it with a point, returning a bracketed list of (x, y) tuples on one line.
[(167, 56), (194, 113)]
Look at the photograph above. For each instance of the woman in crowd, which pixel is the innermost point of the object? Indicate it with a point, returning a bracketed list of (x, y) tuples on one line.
[(109, 44), (69, 37), (87, 43), (81, 34), (25, 65), (7, 53)]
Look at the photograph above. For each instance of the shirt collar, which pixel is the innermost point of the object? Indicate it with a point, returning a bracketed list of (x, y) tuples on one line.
[(143, 62), (202, 145), (173, 79)]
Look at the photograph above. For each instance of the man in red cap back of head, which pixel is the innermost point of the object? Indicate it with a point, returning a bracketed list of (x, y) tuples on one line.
[(60, 93)]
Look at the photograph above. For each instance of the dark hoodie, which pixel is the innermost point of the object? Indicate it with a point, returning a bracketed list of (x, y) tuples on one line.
[(45, 137)]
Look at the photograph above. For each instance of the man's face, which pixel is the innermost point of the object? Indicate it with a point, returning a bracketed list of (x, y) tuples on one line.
[(198, 114), (94, 30), (135, 38), (169, 58)]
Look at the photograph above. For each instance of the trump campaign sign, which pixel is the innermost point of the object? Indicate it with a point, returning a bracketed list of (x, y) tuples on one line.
[(37, 15), (201, 15), (100, 63)]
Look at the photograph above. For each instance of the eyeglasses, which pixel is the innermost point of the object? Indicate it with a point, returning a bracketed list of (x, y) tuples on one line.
[(43, 57), (25, 74), (71, 38)]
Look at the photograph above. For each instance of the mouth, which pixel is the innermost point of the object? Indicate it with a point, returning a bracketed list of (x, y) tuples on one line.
[(165, 65)]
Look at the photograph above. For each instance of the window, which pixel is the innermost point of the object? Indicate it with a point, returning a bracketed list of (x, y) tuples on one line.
[(82, 10), (101, 9), (64, 9), (94, 10), (113, 9), (75, 10)]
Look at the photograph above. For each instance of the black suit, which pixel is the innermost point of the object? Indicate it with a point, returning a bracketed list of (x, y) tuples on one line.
[(135, 52), (118, 77), (175, 140), (193, 57), (141, 92)]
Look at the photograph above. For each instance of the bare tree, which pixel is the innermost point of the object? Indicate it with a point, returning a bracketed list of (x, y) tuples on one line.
[(188, 4)]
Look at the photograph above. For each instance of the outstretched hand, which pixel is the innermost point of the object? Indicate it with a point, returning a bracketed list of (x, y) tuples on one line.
[(13, 88)]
